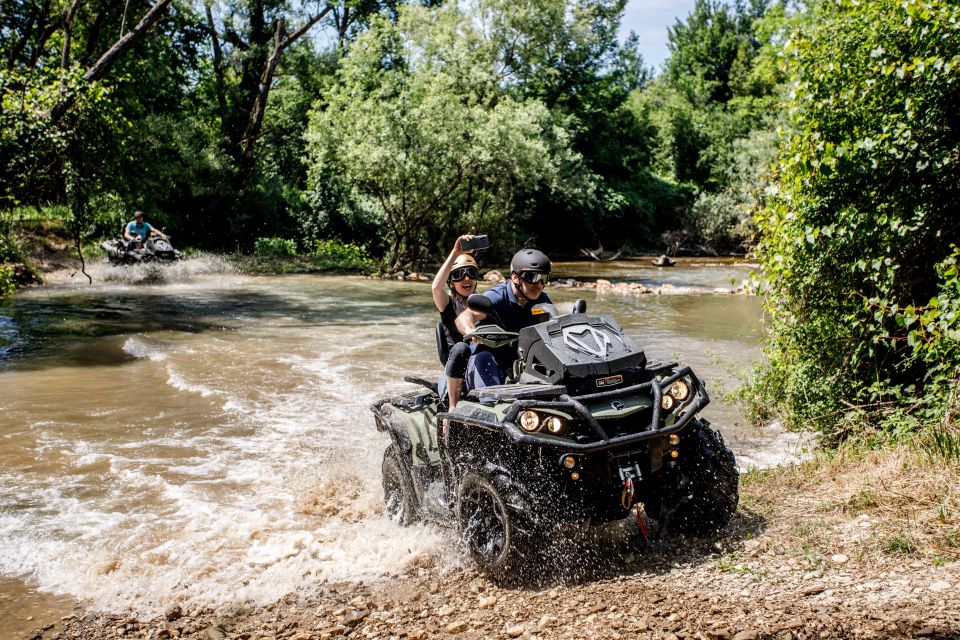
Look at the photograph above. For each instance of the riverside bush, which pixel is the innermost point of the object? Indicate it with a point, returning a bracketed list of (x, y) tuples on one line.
[(11, 248), (334, 254), (858, 237), (274, 248), (7, 285)]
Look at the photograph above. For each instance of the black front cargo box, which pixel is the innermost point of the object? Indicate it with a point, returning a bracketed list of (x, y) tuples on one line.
[(577, 346)]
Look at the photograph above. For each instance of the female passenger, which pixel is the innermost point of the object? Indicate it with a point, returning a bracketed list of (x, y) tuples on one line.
[(459, 274)]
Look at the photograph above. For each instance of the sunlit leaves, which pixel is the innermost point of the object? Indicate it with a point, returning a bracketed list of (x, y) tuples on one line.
[(854, 240), (419, 127)]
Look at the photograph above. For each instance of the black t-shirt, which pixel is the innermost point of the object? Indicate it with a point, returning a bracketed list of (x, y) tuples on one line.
[(448, 317)]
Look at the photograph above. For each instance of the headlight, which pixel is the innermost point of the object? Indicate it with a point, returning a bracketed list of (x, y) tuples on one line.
[(529, 420), (680, 390), (666, 402), (554, 424)]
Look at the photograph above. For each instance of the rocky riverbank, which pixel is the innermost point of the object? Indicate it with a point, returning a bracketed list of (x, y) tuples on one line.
[(859, 546)]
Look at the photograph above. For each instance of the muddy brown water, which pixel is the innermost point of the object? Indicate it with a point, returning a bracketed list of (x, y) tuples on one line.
[(207, 439)]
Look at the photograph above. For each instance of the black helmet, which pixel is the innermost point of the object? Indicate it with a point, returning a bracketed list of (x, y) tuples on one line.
[(530, 260)]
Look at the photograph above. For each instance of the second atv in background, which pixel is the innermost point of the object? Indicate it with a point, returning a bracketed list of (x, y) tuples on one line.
[(152, 250)]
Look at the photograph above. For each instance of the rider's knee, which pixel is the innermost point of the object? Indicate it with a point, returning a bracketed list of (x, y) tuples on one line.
[(457, 361)]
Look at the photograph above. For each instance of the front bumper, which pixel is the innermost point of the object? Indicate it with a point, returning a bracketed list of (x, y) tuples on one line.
[(574, 405)]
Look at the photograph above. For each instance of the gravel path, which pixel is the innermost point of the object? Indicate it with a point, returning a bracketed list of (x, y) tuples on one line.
[(866, 546), (720, 589)]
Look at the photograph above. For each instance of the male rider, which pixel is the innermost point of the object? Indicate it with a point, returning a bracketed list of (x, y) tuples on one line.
[(513, 301), (138, 230)]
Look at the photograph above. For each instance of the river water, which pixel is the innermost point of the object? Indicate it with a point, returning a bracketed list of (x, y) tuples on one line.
[(202, 436)]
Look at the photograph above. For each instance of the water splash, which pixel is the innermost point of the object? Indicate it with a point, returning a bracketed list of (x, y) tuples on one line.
[(158, 273)]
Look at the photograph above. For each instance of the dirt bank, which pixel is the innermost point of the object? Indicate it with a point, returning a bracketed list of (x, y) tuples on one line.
[(862, 546)]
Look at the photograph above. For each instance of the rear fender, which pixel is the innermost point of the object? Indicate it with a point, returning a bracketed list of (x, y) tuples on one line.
[(398, 434), (414, 427)]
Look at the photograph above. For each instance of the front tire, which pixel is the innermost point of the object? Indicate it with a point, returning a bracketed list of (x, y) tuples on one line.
[(398, 496), (489, 527), (709, 496)]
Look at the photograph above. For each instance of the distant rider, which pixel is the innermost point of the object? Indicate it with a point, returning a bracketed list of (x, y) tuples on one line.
[(513, 301), (138, 230), (459, 274)]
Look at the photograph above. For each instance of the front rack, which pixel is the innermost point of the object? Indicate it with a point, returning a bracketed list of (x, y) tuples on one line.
[(575, 406)]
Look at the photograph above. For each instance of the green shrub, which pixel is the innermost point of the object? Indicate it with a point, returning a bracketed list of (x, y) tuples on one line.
[(7, 285), (275, 248), (334, 254), (11, 249), (857, 241)]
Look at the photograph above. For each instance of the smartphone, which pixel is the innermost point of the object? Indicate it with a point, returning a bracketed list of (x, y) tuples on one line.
[(476, 242)]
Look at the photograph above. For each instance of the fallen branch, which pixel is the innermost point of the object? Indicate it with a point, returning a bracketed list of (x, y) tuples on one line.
[(597, 254)]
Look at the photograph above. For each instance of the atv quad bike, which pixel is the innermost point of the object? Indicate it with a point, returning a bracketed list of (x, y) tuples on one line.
[(151, 250), (587, 430)]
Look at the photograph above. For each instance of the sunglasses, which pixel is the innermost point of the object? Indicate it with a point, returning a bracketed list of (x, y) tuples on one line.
[(534, 277), (464, 272)]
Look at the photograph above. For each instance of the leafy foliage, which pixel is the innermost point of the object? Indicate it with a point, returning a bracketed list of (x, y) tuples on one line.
[(343, 256), (713, 113), (858, 238), (274, 248), (418, 128), (7, 284)]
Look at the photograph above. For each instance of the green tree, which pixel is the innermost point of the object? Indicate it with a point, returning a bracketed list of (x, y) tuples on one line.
[(419, 128), (862, 220), (711, 48)]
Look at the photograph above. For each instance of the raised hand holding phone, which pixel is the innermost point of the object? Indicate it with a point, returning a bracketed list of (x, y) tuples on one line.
[(474, 243)]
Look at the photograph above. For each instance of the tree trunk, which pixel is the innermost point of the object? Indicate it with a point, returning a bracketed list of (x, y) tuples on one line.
[(114, 53), (255, 123), (121, 46), (217, 67), (68, 33)]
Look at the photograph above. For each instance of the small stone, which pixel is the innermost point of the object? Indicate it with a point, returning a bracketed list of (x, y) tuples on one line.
[(457, 627), (839, 558), (216, 633), (173, 613), (354, 618), (940, 585), (814, 589), (746, 635), (546, 621), (515, 631), (486, 603)]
